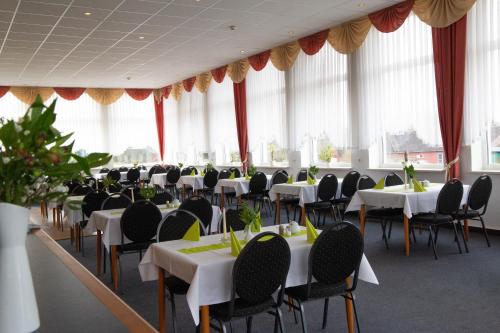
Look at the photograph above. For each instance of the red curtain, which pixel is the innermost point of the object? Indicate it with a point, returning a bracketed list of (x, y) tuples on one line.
[(449, 46), (391, 18), (259, 61), (4, 90), (139, 94), (240, 107), (189, 83), (219, 73), (313, 43), (159, 125), (166, 91), (69, 93)]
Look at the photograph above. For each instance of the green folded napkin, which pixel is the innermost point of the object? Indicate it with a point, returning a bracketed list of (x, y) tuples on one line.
[(232, 175), (193, 233), (417, 186), (290, 180), (204, 248), (235, 244), (312, 234), (202, 173), (380, 185), (311, 180), (257, 224), (247, 177), (193, 173)]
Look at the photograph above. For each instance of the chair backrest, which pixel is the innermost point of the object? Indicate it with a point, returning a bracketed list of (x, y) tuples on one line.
[(280, 170), (141, 167), (116, 201), (233, 220), (186, 171), (479, 193), (133, 175), (200, 207), (161, 197), (152, 170), (210, 178), (173, 175), (104, 170), (365, 182), (123, 169), (302, 175), (81, 190), (175, 225), (90, 181), (114, 174), (349, 184), (140, 220), (114, 188), (237, 172), (393, 179), (128, 192), (279, 178), (336, 254), (71, 185), (327, 187), (258, 183), (92, 202), (253, 280), (450, 197), (224, 174)]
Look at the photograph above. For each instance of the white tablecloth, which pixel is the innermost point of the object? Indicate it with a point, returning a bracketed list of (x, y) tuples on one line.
[(196, 182), (305, 192), (123, 175), (108, 221), (209, 273), (238, 185), (398, 197), (159, 179), (73, 216)]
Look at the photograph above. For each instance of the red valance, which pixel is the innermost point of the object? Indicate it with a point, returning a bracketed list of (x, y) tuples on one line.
[(4, 90), (391, 18), (189, 83), (139, 94), (259, 61), (69, 93), (166, 91), (313, 43), (219, 73)]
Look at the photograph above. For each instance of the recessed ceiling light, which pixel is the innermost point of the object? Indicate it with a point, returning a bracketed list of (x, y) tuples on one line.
[(87, 13), (291, 33), (242, 51), (141, 37), (233, 27)]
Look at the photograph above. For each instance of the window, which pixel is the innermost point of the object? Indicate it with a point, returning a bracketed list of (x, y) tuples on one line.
[(171, 127), (482, 99), (223, 137), (397, 97), (266, 116), (319, 118), (11, 107)]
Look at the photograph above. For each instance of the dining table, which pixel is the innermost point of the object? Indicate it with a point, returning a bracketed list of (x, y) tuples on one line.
[(307, 193), (159, 179), (399, 196), (207, 266), (238, 186), (190, 181)]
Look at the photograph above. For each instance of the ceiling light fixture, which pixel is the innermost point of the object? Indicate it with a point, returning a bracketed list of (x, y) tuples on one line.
[(87, 13), (242, 51), (141, 37), (233, 27)]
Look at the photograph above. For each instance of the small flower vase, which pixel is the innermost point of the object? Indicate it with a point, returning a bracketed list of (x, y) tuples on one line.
[(406, 180), (411, 183), (248, 233)]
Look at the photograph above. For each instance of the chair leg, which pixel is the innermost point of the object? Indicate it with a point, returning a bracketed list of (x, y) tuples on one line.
[(103, 260), (222, 327), (461, 229), (302, 317), (456, 237), (355, 313), (325, 313), (174, 312), (433, 242), (280, 319), (484, 231), (384, 237), (390, 230), (82, 246), (249, 324)]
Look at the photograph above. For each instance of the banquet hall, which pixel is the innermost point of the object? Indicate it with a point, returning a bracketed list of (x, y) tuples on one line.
[(249, 165)]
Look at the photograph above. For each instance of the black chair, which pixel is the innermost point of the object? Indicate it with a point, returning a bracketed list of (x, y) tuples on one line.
[(237, 172), (225, 174), (123, 169), (477, 203), (90, 181), (128, 192), (188, 170), (233, 221), (91, 202), (325, 195), (81, 190), (283, 171), (133, 175), (253, 283), (104, 170), (393, 179), (302, 175), (286, 201), (257, 191), (141, 167), (139, 223), (114, 174), (347, 190), (447, 207), (209, 183), (116, 201), (115, 188), (71, 185), (162, 196), (173, 176), (335, 256), (172, 227), (202, 208)]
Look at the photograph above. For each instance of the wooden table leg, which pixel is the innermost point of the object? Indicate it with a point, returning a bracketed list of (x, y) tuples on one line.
[(205, 319), (99, 251), (406, 226), (362, 219), (161, 300), (77, 236), (466, 230), (222, 197), (303, 215), (114, 268), (278, 210), (349, 309)]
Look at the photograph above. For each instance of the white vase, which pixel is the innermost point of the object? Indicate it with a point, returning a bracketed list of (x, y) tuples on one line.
[(18, 308), (248, 233)]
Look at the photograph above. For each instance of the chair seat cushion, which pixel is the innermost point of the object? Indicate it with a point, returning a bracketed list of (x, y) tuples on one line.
[(176, 285), (241, 308), (384, 212), (342, 200), (462, 215), (134, 246), (428, 218), (318, 290), (319, 205)]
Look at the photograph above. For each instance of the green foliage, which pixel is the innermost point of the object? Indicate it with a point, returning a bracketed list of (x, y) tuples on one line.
[(107, 182), (410, 170), (326, 153), (313, 170), (248, 215), (252, 169), (147, 192), (36, 158), (209, 166), (180, 165)]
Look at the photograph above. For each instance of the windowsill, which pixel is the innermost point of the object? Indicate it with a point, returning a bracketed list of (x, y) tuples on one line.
[(331, 168), (264, 166), (401, 169), (487, 171)]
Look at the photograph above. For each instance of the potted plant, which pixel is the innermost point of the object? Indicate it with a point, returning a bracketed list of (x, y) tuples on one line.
[(35, 162), (311, 174), (251, 218), (107, 182), (410, 173), (147, 192)]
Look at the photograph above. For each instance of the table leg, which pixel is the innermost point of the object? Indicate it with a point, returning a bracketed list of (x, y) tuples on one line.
[(466, 230), (161, 300), (349, 309), (222, 197), (114, 268), (406, 226), (303, 215), (77, 237), (362, 218), (205, 319), (99, 251), (278, 210), (183, 192)]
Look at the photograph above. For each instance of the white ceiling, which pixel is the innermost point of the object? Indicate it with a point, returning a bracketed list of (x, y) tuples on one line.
[(149, 44)]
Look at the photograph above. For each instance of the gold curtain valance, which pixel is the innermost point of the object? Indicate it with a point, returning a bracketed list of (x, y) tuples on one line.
[(237, 71), (203, 81), (347, 37), (441, 13), (105, 96), (27, 95), (284, 56), (177, 89)]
